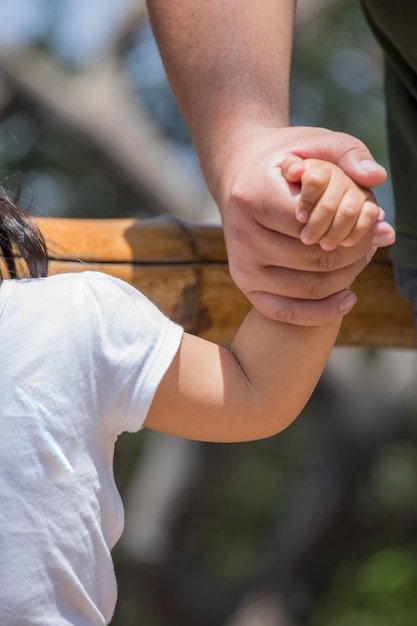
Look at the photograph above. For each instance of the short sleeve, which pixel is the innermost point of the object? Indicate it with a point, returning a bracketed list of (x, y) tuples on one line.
[(131, 346)]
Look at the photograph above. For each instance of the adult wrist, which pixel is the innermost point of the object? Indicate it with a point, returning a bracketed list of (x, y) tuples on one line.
[(232, 146)]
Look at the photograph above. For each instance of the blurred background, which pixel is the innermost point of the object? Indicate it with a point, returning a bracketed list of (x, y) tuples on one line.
[(318, 525)]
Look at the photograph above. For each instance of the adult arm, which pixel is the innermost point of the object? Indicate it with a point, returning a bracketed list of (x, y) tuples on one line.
[(228, 62)]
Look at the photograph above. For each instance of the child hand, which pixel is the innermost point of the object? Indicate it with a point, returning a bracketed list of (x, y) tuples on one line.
[(335, 210)]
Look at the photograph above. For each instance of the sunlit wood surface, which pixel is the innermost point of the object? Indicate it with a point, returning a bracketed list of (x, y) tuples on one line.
[(182, 267)]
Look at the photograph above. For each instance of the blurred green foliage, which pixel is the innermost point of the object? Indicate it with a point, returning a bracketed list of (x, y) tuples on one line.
[(378, 591)]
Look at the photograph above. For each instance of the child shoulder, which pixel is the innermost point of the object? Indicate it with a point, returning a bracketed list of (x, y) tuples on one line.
[(79, 286), (87, 279)]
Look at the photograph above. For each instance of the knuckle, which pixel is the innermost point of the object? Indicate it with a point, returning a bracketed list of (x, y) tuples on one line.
[(327, 261), (299, 312), (311, 313), (327, 206), (348, 211), (247, 202), (370, 211), (315, 178), (278, 308), (271, 306), (242, 199), (318, 288), (288, 313)]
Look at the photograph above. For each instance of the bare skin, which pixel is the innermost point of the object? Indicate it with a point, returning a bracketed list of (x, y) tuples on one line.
[(252, 392), (260, 386), (321, 185), (228, 62)]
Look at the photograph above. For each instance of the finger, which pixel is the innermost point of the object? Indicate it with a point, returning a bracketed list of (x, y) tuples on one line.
[(300, 285), (383, 234), (304, 285), (369, 214), (346, 151), (322, 217), (380, 231), (315, 181), (269, 248), (303, 312), (355, 215), (292, 168)]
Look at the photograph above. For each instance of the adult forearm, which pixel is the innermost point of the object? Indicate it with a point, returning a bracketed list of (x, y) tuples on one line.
[(228, 63)]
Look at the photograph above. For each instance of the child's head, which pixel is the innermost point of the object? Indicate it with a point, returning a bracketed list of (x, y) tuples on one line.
[(20, 237)]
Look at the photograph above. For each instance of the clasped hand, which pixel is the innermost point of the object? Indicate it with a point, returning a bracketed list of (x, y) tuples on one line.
[(282, 277)]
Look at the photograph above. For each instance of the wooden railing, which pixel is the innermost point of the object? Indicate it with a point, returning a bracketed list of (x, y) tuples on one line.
[(183, 269)]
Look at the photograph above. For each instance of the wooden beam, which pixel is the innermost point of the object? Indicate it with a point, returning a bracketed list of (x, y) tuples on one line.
[(182, 267)]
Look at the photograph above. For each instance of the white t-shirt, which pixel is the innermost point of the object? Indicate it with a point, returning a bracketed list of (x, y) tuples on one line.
[(81, 358)]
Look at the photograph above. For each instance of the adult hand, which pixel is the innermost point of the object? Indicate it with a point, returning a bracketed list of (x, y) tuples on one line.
[(234, 99), (284, 279)]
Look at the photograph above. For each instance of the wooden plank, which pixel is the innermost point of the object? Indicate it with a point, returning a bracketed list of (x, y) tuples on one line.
[(381, 317), (159, 240), (201, 297), (183, 268)]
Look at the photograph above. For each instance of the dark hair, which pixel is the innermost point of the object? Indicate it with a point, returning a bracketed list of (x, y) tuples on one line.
[(20, 238)]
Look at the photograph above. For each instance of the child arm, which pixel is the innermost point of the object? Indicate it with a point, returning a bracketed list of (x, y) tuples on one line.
[(335, 210), (253, 391), (260, 386)]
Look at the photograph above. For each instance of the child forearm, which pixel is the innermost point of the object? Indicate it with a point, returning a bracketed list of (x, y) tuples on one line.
[(250, 392), (281, 364)]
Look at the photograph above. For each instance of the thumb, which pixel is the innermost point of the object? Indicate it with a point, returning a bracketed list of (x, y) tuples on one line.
[(292, 168), (350, 154)]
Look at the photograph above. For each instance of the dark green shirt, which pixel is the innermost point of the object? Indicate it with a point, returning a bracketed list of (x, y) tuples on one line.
[(394, 23)]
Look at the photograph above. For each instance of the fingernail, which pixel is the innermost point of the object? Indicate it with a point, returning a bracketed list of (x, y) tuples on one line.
[(370, 166), (306, 240), (385, 239), (302, 216), (326, 246), (293, 169), (347, 302)]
